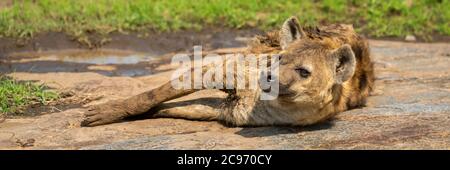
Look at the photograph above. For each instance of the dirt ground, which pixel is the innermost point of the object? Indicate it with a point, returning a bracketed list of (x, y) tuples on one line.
[(410, 108), (5, 3)]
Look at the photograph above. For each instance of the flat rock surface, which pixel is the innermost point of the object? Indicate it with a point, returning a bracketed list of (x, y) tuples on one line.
[(409, 109)]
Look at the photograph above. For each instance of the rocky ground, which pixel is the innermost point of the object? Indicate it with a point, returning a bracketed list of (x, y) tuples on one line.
[(410, 109)]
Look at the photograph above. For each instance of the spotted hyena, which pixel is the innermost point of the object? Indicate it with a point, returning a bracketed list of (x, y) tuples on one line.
[(322, 71)]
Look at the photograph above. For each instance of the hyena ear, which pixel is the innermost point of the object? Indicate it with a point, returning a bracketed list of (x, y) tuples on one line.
[(344, 62), (290, 31)]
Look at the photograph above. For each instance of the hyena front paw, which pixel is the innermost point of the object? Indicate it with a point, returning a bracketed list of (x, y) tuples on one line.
[(104, 114)]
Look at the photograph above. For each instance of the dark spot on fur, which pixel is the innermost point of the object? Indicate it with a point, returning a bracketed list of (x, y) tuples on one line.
[(358, 53), (349, 103), (362, 81)]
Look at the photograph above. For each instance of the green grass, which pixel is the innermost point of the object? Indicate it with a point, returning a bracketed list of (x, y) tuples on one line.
[(16, 95), (25, 18)]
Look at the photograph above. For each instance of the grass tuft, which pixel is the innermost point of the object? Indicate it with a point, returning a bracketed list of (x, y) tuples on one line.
[(17, 95)]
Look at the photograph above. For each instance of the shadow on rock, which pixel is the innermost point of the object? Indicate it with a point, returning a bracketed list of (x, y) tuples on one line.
[(251, 132)]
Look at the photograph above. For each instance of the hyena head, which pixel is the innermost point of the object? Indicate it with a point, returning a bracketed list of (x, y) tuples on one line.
[(309, 69)]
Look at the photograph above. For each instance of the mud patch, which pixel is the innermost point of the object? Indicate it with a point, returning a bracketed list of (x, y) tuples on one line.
[(127, 55), (152, 42)]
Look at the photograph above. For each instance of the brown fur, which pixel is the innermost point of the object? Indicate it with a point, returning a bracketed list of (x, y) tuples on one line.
[(326, 56), (351, 94)]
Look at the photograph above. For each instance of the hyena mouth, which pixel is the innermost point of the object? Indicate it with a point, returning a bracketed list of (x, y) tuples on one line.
[(286, 95), (285, 92)]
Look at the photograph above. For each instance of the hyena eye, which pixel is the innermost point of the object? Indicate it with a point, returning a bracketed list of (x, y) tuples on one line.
[(303, 72)]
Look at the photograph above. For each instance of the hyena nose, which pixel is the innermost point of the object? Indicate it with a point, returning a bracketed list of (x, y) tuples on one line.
[(270, 78), (267, 80)]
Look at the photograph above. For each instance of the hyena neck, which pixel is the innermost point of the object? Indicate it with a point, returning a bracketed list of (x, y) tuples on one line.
[(245, 108)]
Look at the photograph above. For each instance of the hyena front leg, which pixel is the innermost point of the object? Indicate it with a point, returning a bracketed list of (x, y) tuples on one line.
[(116, 110)]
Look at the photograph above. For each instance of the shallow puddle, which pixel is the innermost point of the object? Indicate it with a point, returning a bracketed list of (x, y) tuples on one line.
[(106, 62), (101, 59)]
